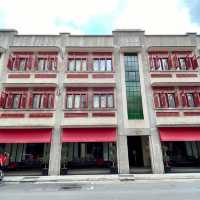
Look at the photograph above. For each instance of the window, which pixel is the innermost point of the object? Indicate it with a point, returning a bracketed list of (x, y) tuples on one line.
[(47, 64), (182, 64), (171, 101), (76, 101), (22, 64), (103, 101), (43, 101), (77, 65), (161, 64), (133, 89), (16, 101), (190, 99), (102, 65)]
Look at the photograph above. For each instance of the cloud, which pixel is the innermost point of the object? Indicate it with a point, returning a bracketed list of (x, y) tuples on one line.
[(194, 8), (98, 16)]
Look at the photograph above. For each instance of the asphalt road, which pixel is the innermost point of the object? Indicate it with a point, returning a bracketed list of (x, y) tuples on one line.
[(149, 190)]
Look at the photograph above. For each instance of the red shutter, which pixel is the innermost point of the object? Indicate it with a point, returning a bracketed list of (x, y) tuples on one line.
[(151, 61), (194, 62), (156, 100), (3, 100), (170, 62), (184, 99), (176, 100), (51, 101), (176, 61), (188, 62), (163, 98), (23, 101), (197, 99), (10, 63), (45, 101), (31, 101), (9, 101)]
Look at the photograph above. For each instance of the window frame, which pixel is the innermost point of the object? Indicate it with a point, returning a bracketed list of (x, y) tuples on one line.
[(105, 59), (83, 60), (100, 100)]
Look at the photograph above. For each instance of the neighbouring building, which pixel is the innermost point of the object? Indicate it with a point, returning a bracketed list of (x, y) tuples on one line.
[(126, 103)]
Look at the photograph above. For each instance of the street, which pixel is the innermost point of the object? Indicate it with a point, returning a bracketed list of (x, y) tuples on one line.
[(131, 190)]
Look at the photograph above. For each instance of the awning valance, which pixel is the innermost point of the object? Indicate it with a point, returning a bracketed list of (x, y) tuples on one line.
[(179, 133), (25, 135), (89, 135)]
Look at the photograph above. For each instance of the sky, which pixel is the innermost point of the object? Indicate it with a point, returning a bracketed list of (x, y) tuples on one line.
[(100, 16)]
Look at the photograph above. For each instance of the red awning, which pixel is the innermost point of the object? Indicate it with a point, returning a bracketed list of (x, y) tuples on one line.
[(89, 135), (25, 135), (179, 134)]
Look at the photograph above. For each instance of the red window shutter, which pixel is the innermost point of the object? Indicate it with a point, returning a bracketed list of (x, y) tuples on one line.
[(194, 62), (170, 62), (9, 101), (31, 101), (45, 101), (184, 99), (176, 100), (51, 101), (3, 100), (188, 62), (197, 99), (156, 100), (176, 61), (10, 63), (151, 61), (163, 98), (23, 101)]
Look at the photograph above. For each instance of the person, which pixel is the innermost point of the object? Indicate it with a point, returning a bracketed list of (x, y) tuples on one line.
[(166, 157)]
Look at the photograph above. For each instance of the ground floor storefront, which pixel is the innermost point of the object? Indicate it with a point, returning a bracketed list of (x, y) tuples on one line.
[(180, 148)]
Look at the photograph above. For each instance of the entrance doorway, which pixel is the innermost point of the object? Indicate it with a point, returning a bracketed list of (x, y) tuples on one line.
[(26, 159), (182, 156), (138, 154), (88, 157)]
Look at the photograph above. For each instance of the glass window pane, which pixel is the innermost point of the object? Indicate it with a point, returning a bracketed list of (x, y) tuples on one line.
[(36, 101), (40, 64), (182, 63), (84, 65), (46, 64), (71, 65), (110, 101), (171, 101), (22, 64), (190, 100), (109, 65), (16, 101), (77, 101), (96, 65), (102, 65), (96, 101), (165, 63), (103, 101), (69, 101), (78, 65), (83, 101)]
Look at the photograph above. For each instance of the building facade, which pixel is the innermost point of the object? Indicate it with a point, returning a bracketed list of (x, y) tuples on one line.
[(126, 101)]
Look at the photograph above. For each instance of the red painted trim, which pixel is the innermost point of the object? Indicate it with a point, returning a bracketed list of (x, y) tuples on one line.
[(167, 114), (76, 89), (20, 89), (77, 75), (44, 89), (18, 75), (103, 114), (161, 75), (191, 113), (45, 75), (186, 75), (40, 115), (103, 75), (71, 114), (12, 115)]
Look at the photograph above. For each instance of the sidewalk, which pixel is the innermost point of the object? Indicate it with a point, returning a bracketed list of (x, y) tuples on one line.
[(115, 178)]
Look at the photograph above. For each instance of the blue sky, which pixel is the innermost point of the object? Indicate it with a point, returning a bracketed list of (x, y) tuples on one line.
[(100, 16)]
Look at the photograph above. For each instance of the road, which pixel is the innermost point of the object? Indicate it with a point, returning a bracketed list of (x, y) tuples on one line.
[(134, 190)]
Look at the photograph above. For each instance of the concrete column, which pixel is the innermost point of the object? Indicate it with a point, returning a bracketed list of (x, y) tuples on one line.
[(156, 152), (122, 155)]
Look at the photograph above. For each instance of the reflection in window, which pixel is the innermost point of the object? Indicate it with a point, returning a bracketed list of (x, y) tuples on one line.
[(182, 63), (110, 101), (102, 65), (22, 64), (77, 101), (16, 101), (103, 101), (190, 99), (69, 101), (36, 101), (171, 101), (96, 101)]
